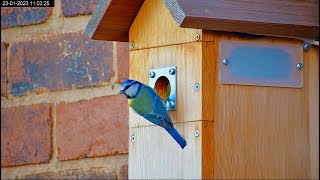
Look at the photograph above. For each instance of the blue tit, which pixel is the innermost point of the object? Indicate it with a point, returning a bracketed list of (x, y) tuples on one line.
[(146, 102)]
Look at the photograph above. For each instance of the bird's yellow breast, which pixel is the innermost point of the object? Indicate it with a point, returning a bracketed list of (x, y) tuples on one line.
[(130, 101), (143, 102)]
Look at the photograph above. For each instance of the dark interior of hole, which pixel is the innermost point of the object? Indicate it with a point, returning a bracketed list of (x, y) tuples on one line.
[(162, 87)]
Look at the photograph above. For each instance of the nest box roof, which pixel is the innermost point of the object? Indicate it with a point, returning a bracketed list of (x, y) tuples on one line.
[(113, 18)]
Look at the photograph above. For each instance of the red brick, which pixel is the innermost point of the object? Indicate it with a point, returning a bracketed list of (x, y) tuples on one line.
[(26, 135), (59, 62), (122, 61), (3, 70), (78, 7), (123, 172), (14, 16), (92, 128), (93, 173)]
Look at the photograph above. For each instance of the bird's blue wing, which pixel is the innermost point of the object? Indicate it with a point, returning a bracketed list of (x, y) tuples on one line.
[(149, 105), (157, 119), (159, 108), (159, 114)]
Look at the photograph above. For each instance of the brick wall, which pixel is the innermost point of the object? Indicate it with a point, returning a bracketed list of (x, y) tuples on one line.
[(61, 116)]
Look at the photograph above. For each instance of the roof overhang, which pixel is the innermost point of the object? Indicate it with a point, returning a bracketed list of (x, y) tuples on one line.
[(287, 18)]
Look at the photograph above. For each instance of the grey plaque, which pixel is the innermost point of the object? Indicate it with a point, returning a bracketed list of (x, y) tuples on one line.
[(261, 64)]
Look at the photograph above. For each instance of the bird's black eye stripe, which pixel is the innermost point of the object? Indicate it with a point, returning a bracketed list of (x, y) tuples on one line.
[(125, 88), (130, 85)]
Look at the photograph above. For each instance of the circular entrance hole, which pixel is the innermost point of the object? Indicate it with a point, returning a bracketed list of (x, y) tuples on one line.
[(162, 87)]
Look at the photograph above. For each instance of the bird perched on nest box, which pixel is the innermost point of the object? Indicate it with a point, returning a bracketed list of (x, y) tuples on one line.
[(146, 102)]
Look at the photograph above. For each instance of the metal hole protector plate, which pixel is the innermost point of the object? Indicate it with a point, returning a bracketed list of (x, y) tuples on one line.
[(171, 74), (261, 64)]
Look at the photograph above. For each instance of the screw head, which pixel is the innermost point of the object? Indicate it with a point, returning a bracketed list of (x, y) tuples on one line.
[(197, 87), (225, 61), (169, 103), (306, 46), (299, 66), (152, 74), (172, 71), (196, 133), (198, 37), (133, 138), (132, 45)]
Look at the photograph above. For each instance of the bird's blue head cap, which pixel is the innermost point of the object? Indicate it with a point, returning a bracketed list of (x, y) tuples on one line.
[(130, 88)]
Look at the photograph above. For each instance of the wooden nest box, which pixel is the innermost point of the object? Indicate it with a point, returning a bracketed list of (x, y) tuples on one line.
[(246, 85)]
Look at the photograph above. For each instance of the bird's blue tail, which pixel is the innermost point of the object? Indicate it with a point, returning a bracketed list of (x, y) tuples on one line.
[(175, 134)]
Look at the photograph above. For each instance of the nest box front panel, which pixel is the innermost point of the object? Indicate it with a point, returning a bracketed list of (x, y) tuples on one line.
[(155, 155), (188, 60)]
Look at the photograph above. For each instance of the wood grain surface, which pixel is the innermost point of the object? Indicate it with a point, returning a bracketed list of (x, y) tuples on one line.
[(154, 26), (263, 132), (156, 155)]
